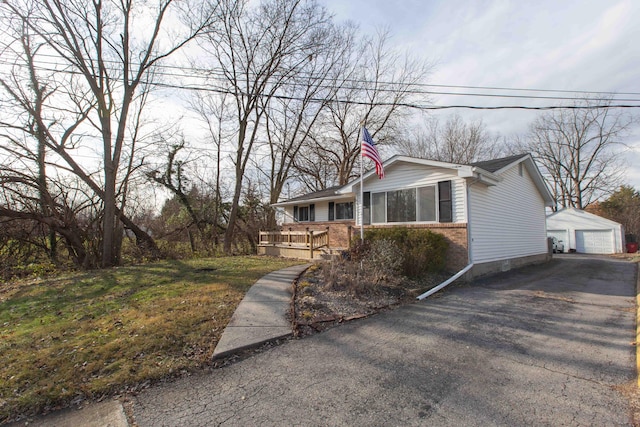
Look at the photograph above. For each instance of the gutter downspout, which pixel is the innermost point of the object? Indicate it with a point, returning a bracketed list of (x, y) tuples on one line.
[(469, 240), (446, 282)]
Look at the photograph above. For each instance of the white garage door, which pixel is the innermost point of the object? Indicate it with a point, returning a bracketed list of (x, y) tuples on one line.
[(594, 241)]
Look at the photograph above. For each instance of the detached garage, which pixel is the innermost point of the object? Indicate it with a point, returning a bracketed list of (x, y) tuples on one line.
[(585, 233)]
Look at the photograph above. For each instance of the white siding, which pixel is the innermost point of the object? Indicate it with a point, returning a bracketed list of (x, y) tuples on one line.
[(405, 175), (508, 219), (288, 214), (321, 210)]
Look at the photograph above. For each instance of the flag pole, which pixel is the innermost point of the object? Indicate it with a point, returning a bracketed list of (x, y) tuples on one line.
[(361, 188)]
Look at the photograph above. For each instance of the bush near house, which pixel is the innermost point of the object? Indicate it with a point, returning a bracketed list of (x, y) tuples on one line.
[(424, 251), (391, 265)]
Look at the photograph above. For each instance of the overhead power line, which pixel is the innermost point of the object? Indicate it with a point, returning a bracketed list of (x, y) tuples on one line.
[(209, 72), (414, 105), (217, 75)]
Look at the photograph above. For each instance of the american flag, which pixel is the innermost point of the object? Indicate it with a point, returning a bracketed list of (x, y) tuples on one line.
[(369, 150)]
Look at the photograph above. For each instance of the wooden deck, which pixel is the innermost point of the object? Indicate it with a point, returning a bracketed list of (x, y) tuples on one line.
[(296, 244)]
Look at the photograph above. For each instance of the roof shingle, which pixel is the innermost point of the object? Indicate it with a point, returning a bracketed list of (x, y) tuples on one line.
[(497, 164)]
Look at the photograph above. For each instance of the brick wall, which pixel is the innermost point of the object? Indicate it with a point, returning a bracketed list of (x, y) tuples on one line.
[(455, 233)]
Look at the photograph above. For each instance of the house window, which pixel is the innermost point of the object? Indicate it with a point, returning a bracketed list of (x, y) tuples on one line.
[(401, 205), (427, 203), (366, 208), (344, 210), (338, 211), (304, 213), (423, 204), (378, 207)]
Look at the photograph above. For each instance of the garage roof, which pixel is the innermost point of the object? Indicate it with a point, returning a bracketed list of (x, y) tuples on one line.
[(580, 219)]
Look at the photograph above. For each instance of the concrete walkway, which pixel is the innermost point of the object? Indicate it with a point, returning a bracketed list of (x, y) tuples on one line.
[(263, 313), (260, 317)]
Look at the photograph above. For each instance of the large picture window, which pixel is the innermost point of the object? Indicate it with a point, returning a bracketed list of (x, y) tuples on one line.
[(401, 205), (425, 204)]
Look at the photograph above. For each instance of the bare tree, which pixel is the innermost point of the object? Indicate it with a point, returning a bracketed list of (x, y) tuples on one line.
[(28, 193), (108, 50), (456, 141), (174, 179), (373, 89), (258, 50), (290, 119), (576, 148), (211, 109)]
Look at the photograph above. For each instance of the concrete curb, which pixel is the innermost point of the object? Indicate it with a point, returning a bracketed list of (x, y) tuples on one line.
[(104, 414)]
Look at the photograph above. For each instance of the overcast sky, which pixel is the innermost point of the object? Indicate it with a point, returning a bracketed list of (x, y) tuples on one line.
[(588, 45)]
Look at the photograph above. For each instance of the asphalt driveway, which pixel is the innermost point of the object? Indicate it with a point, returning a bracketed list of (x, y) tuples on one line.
[(546, 345)]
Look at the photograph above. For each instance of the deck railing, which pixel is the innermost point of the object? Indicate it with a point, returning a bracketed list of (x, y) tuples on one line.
[(296, 239)]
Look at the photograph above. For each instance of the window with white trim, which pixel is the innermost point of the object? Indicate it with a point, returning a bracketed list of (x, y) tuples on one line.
[(378, 207), (427, 203), (304, 213), (340, 211), (401, 205), (423, 204)]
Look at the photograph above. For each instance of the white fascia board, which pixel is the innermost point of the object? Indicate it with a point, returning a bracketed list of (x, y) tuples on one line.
[(485, 177), (466, 171)]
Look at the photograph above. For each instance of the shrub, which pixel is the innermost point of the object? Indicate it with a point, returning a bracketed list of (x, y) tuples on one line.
[(423, 250), (385, 259), (365, 268)]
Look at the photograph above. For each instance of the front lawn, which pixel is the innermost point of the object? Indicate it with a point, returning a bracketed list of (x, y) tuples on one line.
[(86, 335)]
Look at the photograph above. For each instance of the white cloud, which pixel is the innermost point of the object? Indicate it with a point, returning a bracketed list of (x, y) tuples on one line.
[(567, 45)]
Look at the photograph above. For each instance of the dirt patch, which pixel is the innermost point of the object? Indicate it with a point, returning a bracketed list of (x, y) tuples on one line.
[(316, 306)]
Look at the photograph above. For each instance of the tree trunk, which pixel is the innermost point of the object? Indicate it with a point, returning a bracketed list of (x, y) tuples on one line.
[(233, 214)]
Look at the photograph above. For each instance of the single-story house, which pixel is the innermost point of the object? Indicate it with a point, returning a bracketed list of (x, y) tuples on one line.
[(492, 212), (585, 232)]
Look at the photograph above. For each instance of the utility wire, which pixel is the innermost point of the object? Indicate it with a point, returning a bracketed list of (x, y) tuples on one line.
[(208, 72), (183, 86)]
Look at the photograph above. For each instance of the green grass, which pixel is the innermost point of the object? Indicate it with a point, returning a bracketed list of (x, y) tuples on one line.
[(86, 335)]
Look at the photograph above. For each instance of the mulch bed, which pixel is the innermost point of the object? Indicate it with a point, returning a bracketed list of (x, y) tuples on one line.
[(317, 306)]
